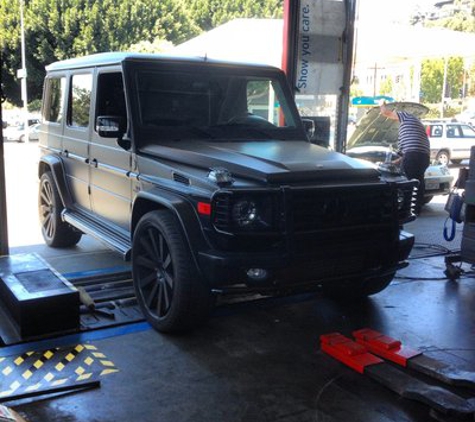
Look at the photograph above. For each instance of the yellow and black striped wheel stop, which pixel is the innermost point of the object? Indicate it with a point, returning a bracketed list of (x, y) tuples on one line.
[(33, 372)]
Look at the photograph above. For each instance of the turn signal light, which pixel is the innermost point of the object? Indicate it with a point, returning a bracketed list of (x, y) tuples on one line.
[(204, 208)]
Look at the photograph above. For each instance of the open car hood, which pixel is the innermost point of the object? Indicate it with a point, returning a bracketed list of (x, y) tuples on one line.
[(375, 130)]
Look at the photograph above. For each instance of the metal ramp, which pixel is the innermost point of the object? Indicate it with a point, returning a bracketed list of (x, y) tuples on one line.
[(37, 302)]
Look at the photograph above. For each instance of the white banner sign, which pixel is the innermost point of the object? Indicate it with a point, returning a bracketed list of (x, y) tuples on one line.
[(319, 64)]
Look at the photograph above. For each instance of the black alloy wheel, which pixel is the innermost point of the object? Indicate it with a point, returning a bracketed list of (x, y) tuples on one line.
[(55, 231), (169, 291)]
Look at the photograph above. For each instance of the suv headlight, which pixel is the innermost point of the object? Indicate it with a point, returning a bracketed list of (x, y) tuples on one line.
[(244, 212)]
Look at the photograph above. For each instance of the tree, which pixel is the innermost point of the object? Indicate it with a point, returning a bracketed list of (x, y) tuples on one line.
[(432, 78), (386, 87), (458, 22), (157, 46), (463, 18), (60, 29), (209, 14)]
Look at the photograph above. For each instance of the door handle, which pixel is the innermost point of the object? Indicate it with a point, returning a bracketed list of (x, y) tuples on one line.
[(94, 162)]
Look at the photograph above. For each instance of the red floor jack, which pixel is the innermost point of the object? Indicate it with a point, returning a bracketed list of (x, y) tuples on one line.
[(364, 356)]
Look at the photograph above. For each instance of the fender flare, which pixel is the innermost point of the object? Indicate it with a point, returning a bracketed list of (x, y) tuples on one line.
[(54, 164), (183, 211)]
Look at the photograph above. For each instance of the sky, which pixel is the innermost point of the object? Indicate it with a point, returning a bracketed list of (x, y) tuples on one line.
[(371, 11)]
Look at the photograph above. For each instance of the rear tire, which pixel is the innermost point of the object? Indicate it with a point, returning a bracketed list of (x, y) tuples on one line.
[(55, 231), (169, 290), (352, 290)]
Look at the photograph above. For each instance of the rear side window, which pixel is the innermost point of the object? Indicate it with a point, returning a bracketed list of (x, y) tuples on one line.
[(80, 100), (467, 132), (53, 110)]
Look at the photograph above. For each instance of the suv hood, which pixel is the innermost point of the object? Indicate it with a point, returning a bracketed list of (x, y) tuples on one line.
[(270, 161), (375, 130)]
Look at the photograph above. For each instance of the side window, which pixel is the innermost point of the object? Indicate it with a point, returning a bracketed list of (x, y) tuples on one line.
[(263, 100), (53, 109), (436, 131), (467, 131), (110, 95), (80, 100), (452, 131)]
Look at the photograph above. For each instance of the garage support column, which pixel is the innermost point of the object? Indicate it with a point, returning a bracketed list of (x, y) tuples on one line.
[(3, 195)]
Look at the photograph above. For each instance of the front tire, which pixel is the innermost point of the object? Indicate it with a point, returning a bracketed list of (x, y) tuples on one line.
[(443, 157), (55, 231), (354, 290), (169, 290), (428, 198)]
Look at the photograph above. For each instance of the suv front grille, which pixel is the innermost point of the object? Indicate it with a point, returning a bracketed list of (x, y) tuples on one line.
[(311, 209), (306, 221), (329, 208)]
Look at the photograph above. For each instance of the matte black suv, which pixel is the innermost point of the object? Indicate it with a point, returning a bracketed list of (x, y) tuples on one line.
[(202, 174)]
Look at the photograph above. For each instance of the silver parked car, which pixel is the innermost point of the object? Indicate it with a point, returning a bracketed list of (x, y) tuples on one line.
[(18, 133), (450, 141)]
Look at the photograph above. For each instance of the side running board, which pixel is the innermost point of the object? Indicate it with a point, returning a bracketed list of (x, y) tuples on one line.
[(116, 241)]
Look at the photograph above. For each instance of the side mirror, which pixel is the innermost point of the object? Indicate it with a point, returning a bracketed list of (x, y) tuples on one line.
[(110, 126), (309, 126), (318, 130)]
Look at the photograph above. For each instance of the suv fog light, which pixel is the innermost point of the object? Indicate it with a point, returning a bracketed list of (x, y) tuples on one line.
[(257, 274)]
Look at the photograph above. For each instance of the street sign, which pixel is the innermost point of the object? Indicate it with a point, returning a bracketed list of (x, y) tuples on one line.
[(21, 73)]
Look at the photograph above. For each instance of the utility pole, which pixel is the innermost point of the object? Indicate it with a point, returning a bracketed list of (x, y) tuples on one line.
[(3, 194), (22, 72), (375, 78), (444, 83)]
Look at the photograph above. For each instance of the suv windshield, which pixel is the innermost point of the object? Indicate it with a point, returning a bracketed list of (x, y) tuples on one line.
[(212, 105)]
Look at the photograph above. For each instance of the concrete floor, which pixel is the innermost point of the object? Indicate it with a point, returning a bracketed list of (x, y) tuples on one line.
[(261, 360)]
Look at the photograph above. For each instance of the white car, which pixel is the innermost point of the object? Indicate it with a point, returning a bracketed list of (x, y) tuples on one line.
[(450, 141), (18, 134), (375, 137)]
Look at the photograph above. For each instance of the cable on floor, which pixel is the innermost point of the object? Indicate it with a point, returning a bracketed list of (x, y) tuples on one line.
[(439, 250)]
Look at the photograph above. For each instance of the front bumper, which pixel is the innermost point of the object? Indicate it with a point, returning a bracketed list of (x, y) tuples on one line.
[(285, 270), (438, 185)]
